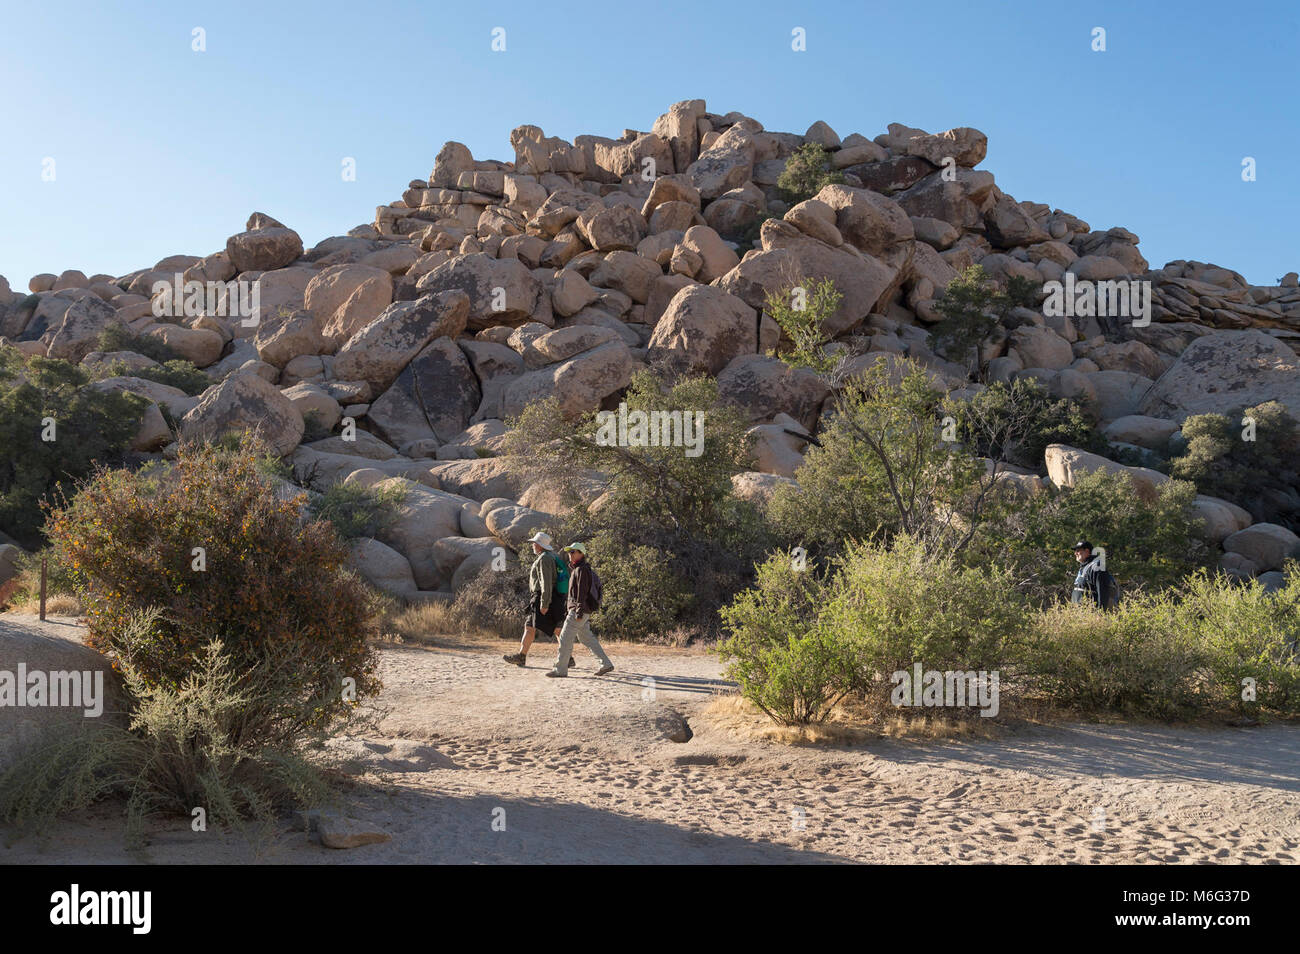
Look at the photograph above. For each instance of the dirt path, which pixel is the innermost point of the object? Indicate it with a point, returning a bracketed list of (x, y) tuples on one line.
[(477, 761)]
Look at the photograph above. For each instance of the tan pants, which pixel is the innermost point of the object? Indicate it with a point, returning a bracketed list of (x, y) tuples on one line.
[(579, 629)]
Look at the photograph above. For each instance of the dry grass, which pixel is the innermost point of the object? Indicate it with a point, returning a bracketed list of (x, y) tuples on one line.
[(56, 604), (851, 722), (429, 624)]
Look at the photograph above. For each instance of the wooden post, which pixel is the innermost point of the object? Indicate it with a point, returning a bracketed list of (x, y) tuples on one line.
[(42, 589)]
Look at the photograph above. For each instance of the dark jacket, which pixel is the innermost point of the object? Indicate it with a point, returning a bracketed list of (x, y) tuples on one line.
[(1094, 583), (580, 589)]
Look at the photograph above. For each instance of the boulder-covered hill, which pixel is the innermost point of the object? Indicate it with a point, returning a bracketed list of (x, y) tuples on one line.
[(494, 283)]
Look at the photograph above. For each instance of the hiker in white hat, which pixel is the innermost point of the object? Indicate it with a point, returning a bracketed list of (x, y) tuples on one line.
[(548, 588)]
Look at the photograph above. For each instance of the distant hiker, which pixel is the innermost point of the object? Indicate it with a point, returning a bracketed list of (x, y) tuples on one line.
[(548, 588), (1093, 581), (584, 599)]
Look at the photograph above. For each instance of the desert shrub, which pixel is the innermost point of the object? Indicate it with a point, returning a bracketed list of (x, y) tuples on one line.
[(801, 309), (671, 499), (90, 427), (1015, 422), (1149, 545), (1136, 660), (1247, 634), (1259, 473), (354, 510), (208, 544), (787, 665), (492, 601), (883, 468), (901, 604), (201, 742), (118, 337), (799, 643), (643, 594), (972, 306), (806, 171), (175, 373)]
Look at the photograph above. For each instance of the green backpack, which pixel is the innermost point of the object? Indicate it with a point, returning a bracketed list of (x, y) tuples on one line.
[(561, 575)]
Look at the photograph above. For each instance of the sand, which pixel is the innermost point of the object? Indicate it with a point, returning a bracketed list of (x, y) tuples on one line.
[(474, 761)]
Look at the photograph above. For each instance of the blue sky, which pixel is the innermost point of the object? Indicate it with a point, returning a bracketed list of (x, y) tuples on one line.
[(159, 149)]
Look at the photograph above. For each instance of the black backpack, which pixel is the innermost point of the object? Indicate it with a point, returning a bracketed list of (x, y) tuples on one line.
[(1107, 589), (596, 592)]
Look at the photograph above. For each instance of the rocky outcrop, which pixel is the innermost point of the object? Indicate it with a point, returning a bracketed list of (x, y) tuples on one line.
[(492, 285)]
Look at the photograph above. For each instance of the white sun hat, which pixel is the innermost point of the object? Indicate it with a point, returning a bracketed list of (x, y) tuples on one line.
[(543, 540)]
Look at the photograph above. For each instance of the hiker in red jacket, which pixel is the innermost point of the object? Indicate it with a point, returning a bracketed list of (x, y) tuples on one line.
[(584, 599)]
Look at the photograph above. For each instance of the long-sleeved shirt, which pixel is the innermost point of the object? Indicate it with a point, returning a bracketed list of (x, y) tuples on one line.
[(579, 588), (541, 580)]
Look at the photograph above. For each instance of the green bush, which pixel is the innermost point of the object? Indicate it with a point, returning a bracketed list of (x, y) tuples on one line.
[(1015, 422), (90, 427), (882, 468), (1247, 633), (644, 596), (784, 663), (175, 373), (801, 310), (899, 605), (1135, 660), (358, 511), (118, 337), (972, 306), (806, 171), (1260, 474), (1174, 655), (798, 643), (1149, 545), (492, 601), (208, 544)]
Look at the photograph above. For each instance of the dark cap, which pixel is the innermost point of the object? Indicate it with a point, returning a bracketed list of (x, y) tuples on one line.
[(1082, 545)]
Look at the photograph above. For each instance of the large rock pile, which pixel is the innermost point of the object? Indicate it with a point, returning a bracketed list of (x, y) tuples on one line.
[(493, 283)]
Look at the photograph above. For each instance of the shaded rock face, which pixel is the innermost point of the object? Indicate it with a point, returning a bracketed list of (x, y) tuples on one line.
[(378, 352), (1224, 371), (434, 397), (579, 384)]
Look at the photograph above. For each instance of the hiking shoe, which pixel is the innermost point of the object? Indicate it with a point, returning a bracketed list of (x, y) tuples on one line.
[(608, 667), (517, 659), (556, 674), (571, 662)]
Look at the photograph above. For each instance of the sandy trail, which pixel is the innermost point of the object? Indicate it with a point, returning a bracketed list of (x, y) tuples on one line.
[(579, 770)]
